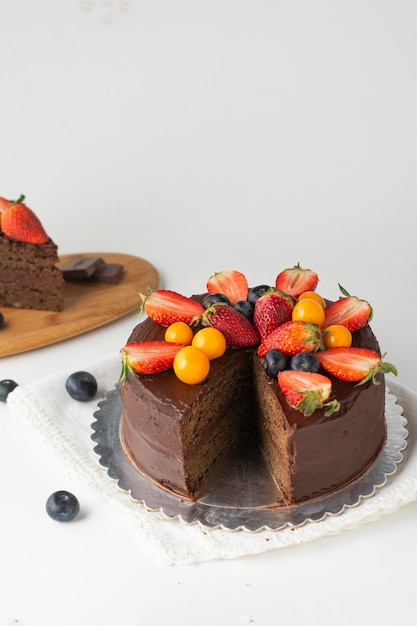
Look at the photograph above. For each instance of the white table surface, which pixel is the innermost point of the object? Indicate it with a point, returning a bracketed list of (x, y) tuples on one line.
[(204, 136)]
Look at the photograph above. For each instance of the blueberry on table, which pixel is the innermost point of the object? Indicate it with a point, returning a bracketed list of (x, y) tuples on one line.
[(62, 506), (1, 319), (81, 386), (6, 386)]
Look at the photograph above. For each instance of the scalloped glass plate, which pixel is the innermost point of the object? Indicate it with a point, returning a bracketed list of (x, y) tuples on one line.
[(246, 500)]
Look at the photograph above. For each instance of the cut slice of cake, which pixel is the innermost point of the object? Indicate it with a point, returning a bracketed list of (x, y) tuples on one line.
[(29, 278)]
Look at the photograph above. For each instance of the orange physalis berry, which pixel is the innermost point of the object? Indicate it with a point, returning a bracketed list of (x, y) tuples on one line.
[(211, 341), (191, 365), (310, 311), (337, 336), (179, 332), (313, 295)]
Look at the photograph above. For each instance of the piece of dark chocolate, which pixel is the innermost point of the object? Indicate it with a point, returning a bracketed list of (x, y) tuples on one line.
[(81, 268), (110, 273)]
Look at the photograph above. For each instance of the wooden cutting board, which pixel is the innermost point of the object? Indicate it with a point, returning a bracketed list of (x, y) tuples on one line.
[(87, 306)]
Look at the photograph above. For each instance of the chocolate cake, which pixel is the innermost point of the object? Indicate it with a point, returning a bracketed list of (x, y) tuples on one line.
[(175, 433), (29, 278)]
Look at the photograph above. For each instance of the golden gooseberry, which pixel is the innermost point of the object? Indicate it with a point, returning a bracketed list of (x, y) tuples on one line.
[(313, 295), (191, 365), (307, 310), (179, 332), (211, 341), (337, 336)]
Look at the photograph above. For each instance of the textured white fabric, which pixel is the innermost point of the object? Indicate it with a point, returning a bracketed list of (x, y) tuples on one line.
[(65, 426)]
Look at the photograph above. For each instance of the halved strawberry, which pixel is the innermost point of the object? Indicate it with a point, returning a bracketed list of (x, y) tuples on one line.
[(348, 311), (293, 337), (295, 280), (166, 307), (354, 364), (239, 332), (231, 283), (148, 357), (272, 309), (19, 222), (307, 391)]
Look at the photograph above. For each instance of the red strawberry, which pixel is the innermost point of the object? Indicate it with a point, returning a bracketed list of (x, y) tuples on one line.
[(19, 222), (237, 329), (165, 307), (354, 364), (272, 309), (231, 283), (148, 357), (307, 391), (4, 204), (295, 280), (292, 337), (349, 311)]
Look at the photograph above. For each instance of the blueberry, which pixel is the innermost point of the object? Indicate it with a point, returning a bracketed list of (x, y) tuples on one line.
[(305, 362), (81, 386), (62, 506), (275, 361), (1, 319), (245, 307), (6, 386), (214, 298), (255, 293)]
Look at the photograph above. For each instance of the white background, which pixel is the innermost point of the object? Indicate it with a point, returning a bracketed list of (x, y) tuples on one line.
[(205, 136)]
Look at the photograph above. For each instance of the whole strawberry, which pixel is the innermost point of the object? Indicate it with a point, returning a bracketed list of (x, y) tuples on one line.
[(237, 329), (19, 222), (291, 338), (272, 309)]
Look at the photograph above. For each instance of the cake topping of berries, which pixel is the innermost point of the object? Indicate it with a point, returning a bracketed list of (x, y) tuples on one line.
[(348, 311), (165, 307), (19, 222), (354, 364), (231, 283), (304, 341), (296, 279), (307, 391)]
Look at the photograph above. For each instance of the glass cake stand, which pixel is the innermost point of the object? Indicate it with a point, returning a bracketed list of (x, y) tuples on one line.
[(245, 496)]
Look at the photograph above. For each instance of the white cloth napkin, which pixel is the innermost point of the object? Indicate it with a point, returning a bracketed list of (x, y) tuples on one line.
[(65, 426)]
